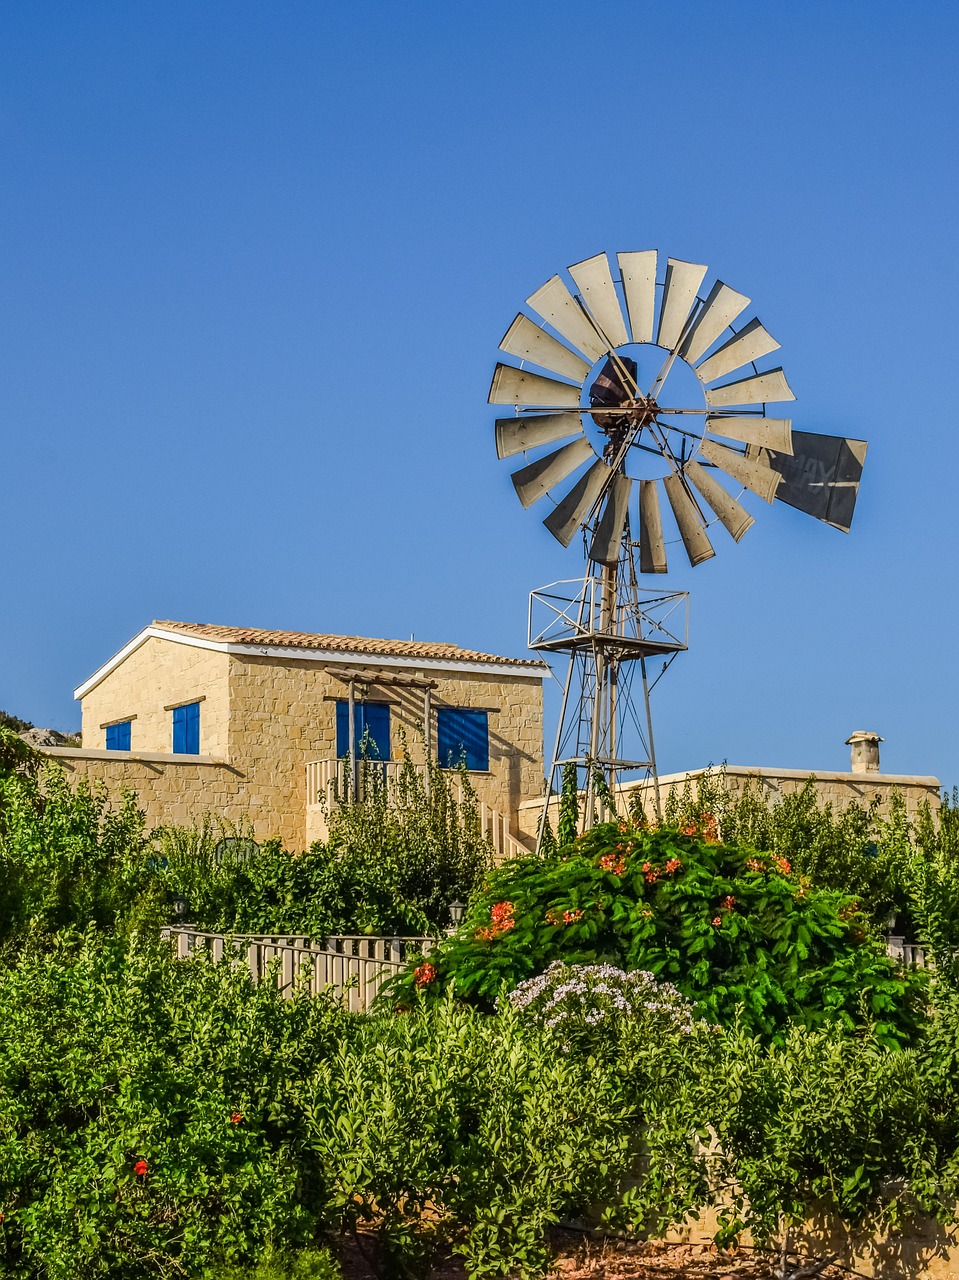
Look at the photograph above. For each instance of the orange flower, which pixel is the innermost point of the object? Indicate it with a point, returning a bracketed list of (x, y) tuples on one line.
[(424, 974), (717, 921), (569, 917), (729, 902), (673, 864), (784, 865)]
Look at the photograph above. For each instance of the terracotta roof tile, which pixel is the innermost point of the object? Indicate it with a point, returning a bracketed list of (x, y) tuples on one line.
[(424, 650)]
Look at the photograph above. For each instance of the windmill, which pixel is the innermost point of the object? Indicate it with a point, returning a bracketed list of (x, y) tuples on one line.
[(601, 437)]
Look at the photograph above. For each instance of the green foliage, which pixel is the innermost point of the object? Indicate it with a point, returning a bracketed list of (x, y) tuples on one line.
[(392, 864), (734, 930), (568, 823), (113, 1054), (15, 755), (824, 1122), (68, 858), (14, 723)]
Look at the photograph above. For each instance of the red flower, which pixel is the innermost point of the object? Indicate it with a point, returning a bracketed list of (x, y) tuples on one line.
[(236, 1117), (140, 1168), (570, 916), (673, 864), (729, 902), (610, 862), (424, 974), (501, 913), (784, 865), (717, 921)]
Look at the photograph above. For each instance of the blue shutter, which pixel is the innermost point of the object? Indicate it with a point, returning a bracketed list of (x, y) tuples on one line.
[(186, 729), (118, 736), (193, 729), (371, 716), (462, 732), (376, 722)]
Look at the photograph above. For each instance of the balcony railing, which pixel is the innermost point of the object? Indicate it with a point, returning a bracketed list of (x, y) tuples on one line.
[(333, 782)]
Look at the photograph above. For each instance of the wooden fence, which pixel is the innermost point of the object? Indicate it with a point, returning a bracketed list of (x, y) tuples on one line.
[(351, 967)]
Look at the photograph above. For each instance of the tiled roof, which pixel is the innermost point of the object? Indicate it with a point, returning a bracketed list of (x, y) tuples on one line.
[(423, 650)]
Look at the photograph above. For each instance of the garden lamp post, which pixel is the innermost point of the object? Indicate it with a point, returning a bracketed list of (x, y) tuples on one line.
[(457, 910), (181, 909)]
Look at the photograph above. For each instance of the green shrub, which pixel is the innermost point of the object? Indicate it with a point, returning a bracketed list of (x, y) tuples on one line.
[(732, 929), (112, 1055)]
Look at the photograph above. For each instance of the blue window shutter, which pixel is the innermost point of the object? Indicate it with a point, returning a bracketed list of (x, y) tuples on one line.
[(368, 716), (118, 736), (186, 729), (193, 729), (462, 732), (376, 722)]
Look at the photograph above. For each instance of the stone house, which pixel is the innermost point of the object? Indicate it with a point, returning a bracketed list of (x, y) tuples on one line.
[(252, 726)]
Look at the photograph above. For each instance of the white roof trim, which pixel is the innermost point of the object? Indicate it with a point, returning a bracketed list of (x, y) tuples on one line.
[(463, 666)]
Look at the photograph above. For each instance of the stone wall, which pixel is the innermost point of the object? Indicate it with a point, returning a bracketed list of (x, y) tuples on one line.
[(838, 789), (151, 680), (170, 789)]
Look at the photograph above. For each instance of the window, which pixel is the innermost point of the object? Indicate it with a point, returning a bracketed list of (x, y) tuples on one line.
[(462, 733), (118, 736), (186, 729), (371, 729)]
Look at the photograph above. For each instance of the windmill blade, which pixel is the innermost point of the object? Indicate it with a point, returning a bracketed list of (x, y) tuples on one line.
[(697, 544), (516, 435), (679, 294), (572, 512), (555, 303), (749, 344), (821, 477), (528, 341), (753, 474), (608, 538), (760, 389), (518, 386), (639, 285), (595, 282), (652, 545), (719, 311), (532, 481), (734, 517), (770, 433)]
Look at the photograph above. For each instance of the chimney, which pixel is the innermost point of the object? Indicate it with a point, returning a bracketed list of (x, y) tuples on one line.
[(865, 751)]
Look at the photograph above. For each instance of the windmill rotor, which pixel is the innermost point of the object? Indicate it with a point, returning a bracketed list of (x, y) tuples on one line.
[(593, 411)]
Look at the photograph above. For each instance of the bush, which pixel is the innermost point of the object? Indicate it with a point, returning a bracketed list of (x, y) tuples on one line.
[(592, 1006), (732, 929)]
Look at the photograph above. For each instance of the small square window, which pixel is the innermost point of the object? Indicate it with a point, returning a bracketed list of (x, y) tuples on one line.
[(462, 734), (186, 729), (118, 736)]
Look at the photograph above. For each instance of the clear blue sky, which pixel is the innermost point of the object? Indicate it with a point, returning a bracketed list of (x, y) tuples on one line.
[(256, 260)]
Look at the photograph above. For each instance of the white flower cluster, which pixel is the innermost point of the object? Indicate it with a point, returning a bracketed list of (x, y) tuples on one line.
[(578, 997)]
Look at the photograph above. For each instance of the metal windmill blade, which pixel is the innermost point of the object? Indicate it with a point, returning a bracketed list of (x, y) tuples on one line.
[(595, 281), (608, 538), (533, 481), (691, 527), (679, 294), (517, 435)]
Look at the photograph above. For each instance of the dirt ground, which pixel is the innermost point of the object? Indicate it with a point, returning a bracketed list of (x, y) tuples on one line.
[(581, 1257)]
